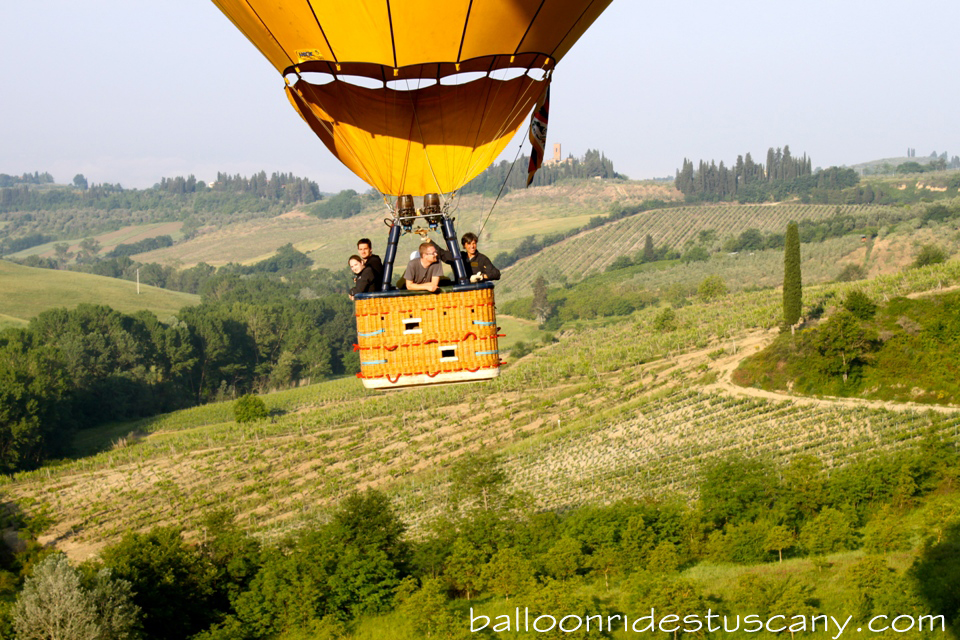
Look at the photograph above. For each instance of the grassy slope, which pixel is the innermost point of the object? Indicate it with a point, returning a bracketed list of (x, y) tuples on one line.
[(609, 411), (329, 242), (26, 291)]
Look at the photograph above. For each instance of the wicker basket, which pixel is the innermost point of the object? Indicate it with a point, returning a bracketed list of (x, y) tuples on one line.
[(408, 339)]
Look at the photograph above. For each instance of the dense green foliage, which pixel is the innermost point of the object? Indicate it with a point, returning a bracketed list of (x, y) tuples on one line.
[(784, 177), (867, 225), (58, 602), (345, 204), (929, 254), (249, 408), (288, 264), (792, 281), (74, 369), (12, 245), (142, 246), (904, 350)]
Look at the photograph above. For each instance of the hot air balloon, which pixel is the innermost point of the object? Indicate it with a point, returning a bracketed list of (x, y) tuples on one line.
[(417, 97)]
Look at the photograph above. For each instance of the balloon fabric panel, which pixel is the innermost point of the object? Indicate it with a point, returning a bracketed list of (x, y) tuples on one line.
[(430, 140)]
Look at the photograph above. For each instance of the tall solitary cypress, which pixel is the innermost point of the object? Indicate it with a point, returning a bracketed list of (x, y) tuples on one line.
[(792, 288)]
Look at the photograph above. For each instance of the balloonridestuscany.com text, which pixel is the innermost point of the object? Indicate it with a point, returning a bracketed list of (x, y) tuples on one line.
[(523, 620)]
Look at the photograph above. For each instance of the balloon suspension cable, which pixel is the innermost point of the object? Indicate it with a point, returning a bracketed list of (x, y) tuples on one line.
[(499, 193), (433, 173), (546, 78)]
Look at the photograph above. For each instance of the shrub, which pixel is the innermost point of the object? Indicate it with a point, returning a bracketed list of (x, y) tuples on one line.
[(712, 287), (665, 320), (520, 349), (860, 305), (695, 254), (930, 254), (851, 272), (249, 408), (830, 531), (622, 262), (55, 603)]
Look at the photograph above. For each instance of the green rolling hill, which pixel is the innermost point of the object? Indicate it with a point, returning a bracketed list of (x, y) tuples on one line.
[(27, 291)]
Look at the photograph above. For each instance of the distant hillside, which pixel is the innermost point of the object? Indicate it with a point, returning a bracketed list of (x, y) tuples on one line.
[(329, 242), (25, 292), (593, 251), (108, 240), (890, 165)]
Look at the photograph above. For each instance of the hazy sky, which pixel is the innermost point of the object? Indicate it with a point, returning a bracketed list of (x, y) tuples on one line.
[(131, 91)]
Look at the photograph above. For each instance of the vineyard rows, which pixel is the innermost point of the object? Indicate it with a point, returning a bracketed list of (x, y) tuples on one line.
[(663, 447), (592, 251), (819, 263)]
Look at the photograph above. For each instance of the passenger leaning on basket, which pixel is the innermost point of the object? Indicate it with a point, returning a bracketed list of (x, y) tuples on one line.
[(364, 277), (424, 273), (478, 266)]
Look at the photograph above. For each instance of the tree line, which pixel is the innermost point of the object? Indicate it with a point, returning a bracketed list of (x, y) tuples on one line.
[(782, 177), (745, 178), (508, 175), (36, 177), (257, 193), (491, 548)]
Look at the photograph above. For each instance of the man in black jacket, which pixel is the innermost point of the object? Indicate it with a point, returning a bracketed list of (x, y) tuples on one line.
[(370, 259), (478, 266)]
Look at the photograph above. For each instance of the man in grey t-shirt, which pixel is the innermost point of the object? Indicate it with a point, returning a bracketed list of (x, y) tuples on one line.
[(423, 273)]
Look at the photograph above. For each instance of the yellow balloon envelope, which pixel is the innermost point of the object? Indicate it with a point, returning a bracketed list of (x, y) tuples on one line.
[(417, 130)]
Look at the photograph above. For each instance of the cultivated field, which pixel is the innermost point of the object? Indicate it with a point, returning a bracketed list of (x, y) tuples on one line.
[(609, 411), (26, 291), (592, 251)]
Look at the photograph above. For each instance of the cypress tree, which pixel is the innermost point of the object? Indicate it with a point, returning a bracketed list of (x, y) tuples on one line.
[(649, 253), (792, 288), (541, 304)]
